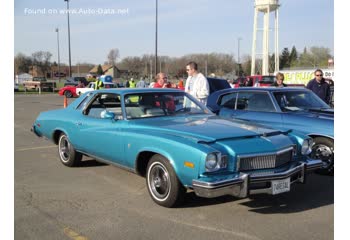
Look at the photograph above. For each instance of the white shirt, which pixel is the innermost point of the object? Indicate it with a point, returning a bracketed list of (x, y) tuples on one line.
[(198, 87)]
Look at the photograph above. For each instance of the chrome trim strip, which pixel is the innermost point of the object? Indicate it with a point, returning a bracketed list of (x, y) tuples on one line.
[(265, 154)]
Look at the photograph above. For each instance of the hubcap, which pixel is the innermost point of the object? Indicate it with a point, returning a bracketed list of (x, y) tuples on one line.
[(324, 153), (64, 147), (159, 181)]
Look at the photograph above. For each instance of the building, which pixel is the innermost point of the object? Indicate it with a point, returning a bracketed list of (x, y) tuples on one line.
[(111, 70)]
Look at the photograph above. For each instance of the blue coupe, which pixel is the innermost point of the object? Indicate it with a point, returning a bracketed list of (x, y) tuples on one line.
[(282, 108), (176, 143)]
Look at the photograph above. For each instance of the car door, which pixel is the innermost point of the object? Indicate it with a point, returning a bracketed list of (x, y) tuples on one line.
[(102, 137), (257, 107)]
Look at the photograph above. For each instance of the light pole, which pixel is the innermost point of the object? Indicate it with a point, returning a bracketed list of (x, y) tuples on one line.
[(156, 68), (58, 53), (70, 63), (238, 60)]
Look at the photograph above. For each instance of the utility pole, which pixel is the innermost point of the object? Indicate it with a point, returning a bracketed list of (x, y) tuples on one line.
[(58, 53), (70, 63)]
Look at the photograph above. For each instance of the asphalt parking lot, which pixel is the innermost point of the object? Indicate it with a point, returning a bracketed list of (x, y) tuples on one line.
[(98, 201)]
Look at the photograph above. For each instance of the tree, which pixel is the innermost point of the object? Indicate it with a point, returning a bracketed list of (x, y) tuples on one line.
[(112, 56), (22, 63), (284, 59), (99, 70), (293, 57), (317, 57), (41, 59)]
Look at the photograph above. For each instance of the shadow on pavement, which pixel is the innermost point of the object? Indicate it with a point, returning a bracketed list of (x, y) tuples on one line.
[(317, 192)]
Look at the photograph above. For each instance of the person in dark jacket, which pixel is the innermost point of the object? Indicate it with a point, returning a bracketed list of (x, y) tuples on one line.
[(319, 86)]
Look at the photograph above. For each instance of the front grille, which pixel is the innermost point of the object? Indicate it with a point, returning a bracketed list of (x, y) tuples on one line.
[(254, 162)]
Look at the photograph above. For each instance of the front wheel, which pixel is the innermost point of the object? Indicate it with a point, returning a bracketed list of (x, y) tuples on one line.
[(67, 153), (162, 182), (68, 94), (323, 149)]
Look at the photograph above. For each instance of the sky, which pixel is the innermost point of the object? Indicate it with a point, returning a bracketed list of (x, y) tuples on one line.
[(184, 27)]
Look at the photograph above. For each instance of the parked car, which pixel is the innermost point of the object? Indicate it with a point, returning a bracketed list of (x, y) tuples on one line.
[(216, 84), (74, 81), (69, 91), (91, 86), (284, 108), (73, 91), (176, 143)]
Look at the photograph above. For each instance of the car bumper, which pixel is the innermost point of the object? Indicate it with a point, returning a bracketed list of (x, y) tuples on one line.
[(243, 184), (34, 130)]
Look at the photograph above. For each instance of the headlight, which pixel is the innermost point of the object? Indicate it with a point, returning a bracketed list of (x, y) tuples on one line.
[(211, 162), (215, 161), (306, 147)]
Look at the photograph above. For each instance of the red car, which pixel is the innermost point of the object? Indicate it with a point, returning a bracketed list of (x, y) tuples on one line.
[(68, 91)]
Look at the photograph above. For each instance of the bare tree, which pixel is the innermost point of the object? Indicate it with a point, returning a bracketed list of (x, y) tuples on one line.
[(42, 60), (112, 56), (22, 63)]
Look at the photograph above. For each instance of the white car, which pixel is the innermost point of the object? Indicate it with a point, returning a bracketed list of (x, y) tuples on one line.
[(91, 87)]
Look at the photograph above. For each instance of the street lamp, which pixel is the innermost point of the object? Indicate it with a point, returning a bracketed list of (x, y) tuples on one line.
[(70, 64), (58, 53), (156, 68), (238, 60)]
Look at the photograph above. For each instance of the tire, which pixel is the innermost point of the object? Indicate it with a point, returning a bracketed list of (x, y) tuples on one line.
[(68, 94), (68, 156), (323, 149), (162, 183)]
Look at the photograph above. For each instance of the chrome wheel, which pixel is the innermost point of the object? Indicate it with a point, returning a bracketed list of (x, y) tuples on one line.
[(64, 149), (324, 153), (159, 181)]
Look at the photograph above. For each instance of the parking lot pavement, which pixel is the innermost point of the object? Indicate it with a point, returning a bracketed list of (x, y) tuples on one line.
[(98, 201)]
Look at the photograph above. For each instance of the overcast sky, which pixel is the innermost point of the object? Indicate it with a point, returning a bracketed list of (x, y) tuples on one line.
[(184, 27)]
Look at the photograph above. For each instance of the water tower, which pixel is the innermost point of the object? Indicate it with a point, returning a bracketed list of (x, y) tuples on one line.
[(266, 7)]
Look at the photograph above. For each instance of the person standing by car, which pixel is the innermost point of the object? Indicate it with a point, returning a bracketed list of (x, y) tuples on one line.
[(98, 84), (319, 86), (161, 81), (197, 85), (141, 84), (279, 80)]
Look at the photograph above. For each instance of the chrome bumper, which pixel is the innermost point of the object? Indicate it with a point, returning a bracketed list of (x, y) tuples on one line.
[(252, 183)]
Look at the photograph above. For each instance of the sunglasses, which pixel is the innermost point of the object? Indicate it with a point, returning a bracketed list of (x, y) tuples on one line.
[(319, 75)]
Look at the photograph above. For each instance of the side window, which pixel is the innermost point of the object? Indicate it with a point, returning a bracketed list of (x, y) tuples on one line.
[(228, 100), (104, 102), (255, 102)]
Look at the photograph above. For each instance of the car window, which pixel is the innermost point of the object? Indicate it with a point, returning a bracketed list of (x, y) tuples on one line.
[(148, 105), (104, 102), (255, 101), (228, 100), (298, 101)]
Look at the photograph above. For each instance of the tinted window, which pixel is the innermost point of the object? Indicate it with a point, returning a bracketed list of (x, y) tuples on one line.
[(228, 100), (251, 101), (299, 100)]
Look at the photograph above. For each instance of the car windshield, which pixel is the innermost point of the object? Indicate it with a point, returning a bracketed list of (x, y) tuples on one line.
[(149, 105), (299, 101)]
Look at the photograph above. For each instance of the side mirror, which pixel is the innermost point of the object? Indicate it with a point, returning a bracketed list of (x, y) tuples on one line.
[(107, 115)]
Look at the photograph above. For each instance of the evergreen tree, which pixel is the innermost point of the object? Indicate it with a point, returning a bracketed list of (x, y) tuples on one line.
[(293, 57), (99, 70), (284, 59)]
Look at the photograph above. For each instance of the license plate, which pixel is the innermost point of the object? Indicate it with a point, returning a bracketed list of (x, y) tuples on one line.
[(280, 186)]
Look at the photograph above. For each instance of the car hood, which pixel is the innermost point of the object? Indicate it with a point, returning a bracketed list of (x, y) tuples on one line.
[(203, 129)]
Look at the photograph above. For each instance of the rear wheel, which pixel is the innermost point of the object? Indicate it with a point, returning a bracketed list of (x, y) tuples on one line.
[(68, 94), (67, 153), (323, 149), (162, 182)]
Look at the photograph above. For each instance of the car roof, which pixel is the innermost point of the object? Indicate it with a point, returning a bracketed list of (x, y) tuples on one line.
[(139, 90), (266, 89)]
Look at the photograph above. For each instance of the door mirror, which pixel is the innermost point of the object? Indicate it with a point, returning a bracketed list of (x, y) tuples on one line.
[(107, 115)]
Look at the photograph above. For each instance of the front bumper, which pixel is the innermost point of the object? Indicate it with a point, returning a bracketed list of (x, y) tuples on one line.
[(245, 183), (34, 130)]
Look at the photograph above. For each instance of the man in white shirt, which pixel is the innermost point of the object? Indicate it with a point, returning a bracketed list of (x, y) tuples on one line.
[(197, 85)]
